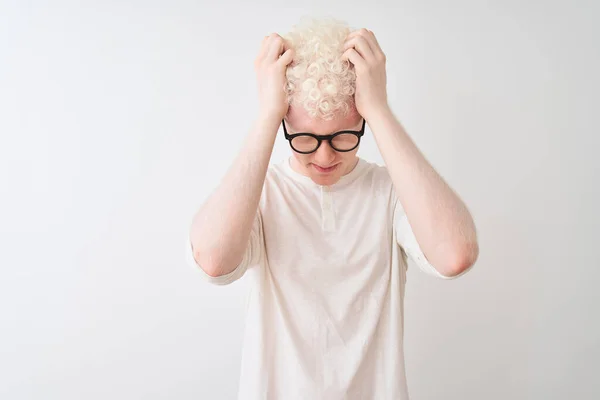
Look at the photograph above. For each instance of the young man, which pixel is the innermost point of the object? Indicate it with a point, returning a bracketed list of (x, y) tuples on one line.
[(325, 235)]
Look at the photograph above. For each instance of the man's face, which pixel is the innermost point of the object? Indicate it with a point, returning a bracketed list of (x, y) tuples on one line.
[(297, 120)]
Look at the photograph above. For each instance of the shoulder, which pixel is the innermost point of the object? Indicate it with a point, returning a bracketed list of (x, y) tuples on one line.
[(377, 178)]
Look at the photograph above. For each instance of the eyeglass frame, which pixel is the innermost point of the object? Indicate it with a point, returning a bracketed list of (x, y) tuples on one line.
[(320, 138)]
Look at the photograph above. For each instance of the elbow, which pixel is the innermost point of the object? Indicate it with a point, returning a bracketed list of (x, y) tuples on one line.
[(466, 258), (207, 264), (462, 260), (212, 272)]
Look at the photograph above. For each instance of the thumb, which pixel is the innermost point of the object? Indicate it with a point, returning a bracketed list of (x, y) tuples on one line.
[(286, 57)]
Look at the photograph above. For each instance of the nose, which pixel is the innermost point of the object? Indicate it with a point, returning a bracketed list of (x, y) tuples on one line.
[(325, 154)]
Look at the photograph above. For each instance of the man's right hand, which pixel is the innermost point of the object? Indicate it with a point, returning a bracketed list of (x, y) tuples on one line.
[(270, 66)]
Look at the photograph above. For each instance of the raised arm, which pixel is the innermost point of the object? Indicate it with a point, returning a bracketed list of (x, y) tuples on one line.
[(220, 230)]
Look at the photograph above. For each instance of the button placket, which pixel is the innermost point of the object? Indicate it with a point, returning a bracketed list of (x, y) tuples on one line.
[(328, 215)]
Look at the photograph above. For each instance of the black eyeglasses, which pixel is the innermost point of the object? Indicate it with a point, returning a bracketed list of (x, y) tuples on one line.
[(307, 143)]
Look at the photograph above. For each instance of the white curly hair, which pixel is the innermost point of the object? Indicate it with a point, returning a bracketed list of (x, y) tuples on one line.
[(318, 79)]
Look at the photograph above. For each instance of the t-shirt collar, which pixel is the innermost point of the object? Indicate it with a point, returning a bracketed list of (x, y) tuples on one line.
[(343, 181)]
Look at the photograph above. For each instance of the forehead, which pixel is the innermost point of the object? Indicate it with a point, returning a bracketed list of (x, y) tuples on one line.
[(298, 120)]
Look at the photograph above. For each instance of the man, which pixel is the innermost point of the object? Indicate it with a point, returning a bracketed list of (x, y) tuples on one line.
[(325, 235)]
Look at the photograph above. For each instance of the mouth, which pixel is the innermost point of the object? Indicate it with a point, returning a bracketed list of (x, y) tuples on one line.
[(325, 170)]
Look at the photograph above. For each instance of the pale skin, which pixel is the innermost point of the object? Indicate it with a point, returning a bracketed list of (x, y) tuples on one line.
[(441, 222), (221, 228)]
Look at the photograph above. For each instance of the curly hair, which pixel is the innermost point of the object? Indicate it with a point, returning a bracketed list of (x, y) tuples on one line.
[(318, 79)]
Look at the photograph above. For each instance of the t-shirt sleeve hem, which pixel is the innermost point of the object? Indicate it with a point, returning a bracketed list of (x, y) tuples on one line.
[(407, 240), (220, 280)]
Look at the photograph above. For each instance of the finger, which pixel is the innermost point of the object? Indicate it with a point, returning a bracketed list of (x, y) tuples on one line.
[(355, 58), (367, 34), (374, 43), (276, 46), (358, 32), (286, 58), (263, 49), (362, 46)]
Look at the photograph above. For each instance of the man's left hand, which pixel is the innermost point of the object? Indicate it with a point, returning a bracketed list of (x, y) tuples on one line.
[(362, 50)]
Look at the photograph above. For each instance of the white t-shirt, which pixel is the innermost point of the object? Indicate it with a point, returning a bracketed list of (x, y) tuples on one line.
[(327, 266)]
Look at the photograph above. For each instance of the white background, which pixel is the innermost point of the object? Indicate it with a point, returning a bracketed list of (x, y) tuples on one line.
[(118, 118)]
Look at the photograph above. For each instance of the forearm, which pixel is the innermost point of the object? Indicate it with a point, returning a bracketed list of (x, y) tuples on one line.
[(440, 220), (221, 229)]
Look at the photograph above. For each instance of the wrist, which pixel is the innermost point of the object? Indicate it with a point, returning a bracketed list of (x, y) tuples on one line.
[(270, 115), (378, 112), (270, 120)]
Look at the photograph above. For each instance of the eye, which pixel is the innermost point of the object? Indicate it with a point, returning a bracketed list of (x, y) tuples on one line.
[(345, 141), (304, 143)]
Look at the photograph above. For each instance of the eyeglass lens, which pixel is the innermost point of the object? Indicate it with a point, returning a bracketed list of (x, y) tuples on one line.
[(342, 142)]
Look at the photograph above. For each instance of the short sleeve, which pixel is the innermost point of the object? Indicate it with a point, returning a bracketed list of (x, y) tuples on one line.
[(253, 255), (408, 241)]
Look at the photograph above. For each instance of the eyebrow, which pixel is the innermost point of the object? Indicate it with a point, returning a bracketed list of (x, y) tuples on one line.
[(294, 131)]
